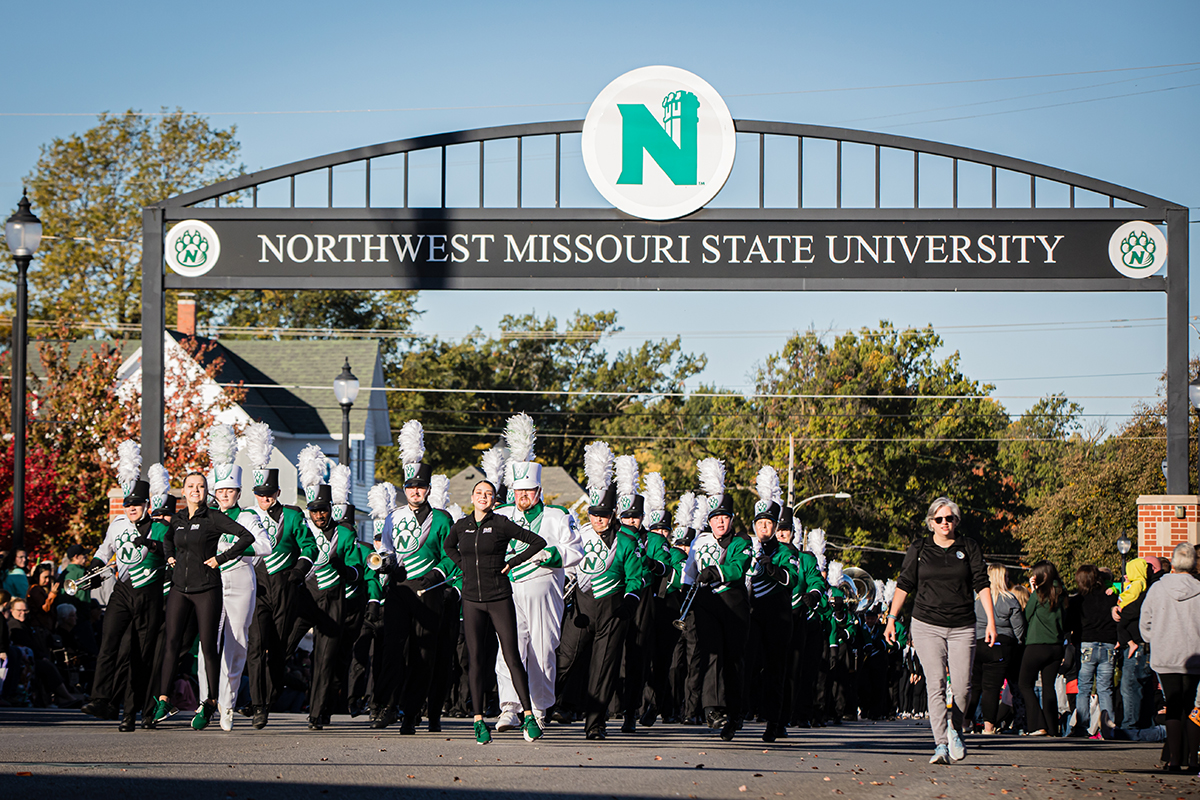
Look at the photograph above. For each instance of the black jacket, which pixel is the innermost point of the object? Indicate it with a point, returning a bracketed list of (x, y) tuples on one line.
[(945, 581), (1089, 617), (193, 540), (478, 549)]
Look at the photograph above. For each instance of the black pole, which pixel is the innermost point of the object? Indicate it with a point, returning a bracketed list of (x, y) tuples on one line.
[(18, 405), (344, 449)]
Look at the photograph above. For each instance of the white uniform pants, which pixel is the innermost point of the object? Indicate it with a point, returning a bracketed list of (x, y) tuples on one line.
[(539, 603), (238, 593)]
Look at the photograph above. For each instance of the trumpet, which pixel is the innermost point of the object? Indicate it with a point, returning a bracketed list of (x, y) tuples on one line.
[(687, 605), (436, 585), (87, 580), (375, 561)]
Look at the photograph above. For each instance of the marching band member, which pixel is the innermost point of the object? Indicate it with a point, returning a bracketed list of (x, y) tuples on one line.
[(238, 585), (806, 594), (719, 560), (370, 648), (664, 586), (338, 561), (448, 634), (537, 583), (770, 582), (609, 578), (278, 576), (412, 541), (135, 608)]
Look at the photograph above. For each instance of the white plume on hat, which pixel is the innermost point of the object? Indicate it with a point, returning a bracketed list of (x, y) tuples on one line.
[(598, 466), (700, 512), (129, 463), (339, 485), (312, 468), (222, 445), (683, 513), (816, 546), (878, 592), (626, 468), (160, 485), (382, 499), (439, 492), (520, 435), (767, 485), (260, 440), (412, 442), (835, 574), (889, 592), (712, 477), (455, 511), (492, 464), (656, 497)]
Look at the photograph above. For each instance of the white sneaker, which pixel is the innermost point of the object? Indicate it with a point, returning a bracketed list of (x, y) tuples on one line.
[(541, 721), (226, 719), (956, 750), (509, 721), (941, 755)]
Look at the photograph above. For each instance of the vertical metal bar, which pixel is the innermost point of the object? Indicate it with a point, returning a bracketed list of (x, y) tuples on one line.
[(557, 169), (877, 177), (293, 190), (762, 175), (443, 176), (254, 194), (481, 173), (329, 203), (954, 194), (1072, 196), (154, 323), (916, 179), (20, 350), (520, 169), (406, 179), (217, 201), (367, 162), (1032, 192), (799, 172), (1178, 469), (993, 187), (1112, 201), (839, 173)]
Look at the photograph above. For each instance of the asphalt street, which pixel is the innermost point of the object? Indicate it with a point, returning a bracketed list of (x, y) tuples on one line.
[(62, 754)]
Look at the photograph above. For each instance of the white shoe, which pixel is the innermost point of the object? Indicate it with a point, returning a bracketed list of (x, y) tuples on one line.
[(226, 719), (541, 721), (509, 721)]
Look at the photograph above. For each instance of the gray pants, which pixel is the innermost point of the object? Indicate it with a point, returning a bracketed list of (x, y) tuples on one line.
[(941, 648)]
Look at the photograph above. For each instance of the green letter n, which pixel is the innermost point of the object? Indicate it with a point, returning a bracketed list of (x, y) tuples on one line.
[(640, 131)]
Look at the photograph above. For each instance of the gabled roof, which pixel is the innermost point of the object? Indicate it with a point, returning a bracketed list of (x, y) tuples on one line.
[(558, 487)]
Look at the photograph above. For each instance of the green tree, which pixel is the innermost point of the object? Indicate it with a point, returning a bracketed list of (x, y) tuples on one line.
[(89, 190)]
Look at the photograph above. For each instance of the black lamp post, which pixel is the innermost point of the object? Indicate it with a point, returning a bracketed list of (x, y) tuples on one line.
[(345, 389), (23, 232), (1124, 545)]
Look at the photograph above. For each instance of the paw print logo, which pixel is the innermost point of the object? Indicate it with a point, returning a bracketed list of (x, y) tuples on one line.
[(595, 557), (324, 548), (406, 535), (127, 553), (191, 249), (1137, 250), (709, 555)]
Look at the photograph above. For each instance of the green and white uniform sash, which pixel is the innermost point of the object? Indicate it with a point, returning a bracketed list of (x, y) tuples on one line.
[(138, 565), (406, 538), (323, 570), (596, 573), (516, 546)]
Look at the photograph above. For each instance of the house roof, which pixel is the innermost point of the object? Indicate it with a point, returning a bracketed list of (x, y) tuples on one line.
[(558, 487)]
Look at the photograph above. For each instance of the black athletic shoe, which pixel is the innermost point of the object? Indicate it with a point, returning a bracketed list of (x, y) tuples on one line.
[(803, 724), (435, 725), (407, 728), (728, 729), (769, 734), (560, 717), (649, 716), (128, 724), (100, 709), (260, 717), (246, 711), (781, 731), (386, 717), (629, 725), (596, 733), (314, 724)]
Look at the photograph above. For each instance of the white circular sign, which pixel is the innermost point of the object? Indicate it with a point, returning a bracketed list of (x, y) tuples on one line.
[(192, 248), (658, 143), (1138, 249)]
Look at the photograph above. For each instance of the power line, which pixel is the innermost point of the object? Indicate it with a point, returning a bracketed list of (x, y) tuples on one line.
[(799, 440)]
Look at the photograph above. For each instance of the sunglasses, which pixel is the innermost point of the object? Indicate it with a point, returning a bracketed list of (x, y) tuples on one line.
[(940, 520)]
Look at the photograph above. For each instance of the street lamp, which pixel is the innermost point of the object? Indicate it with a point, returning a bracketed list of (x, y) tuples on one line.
[(23, 233), (835, 495), (345, 389), (1124, 545)]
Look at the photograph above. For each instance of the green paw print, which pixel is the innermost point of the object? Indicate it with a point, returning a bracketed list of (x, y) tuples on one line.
[(191, 249), (1137, 250)]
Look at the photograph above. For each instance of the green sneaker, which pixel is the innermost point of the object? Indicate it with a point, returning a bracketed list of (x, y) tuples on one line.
[(530, 729), (162, 709), (482, 736), (203, 715)]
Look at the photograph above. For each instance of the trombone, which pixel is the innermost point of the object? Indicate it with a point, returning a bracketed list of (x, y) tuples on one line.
[(86, 581), (687, 605)]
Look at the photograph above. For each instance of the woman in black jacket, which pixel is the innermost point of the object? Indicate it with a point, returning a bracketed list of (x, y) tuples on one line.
[(478, 544), (190, 546)]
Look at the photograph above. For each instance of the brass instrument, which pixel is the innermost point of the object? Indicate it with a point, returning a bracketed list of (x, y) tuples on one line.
[(87, 580), (687, 605), (375, 561), (859, 587)]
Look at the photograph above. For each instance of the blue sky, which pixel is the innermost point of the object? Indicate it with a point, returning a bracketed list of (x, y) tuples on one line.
[(464, 65)]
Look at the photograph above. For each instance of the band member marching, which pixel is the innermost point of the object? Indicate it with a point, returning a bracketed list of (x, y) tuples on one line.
[(416, 562), (770, 581), (238, 584), (538, 583), (718, 560), (663, 593), (806, 595), (339, 561), (278, 576), (135, 608), (609, 579)]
